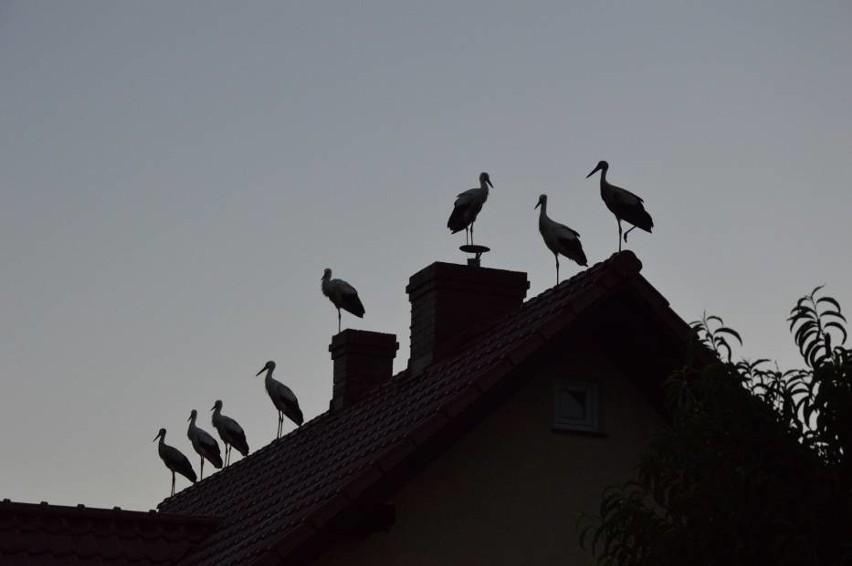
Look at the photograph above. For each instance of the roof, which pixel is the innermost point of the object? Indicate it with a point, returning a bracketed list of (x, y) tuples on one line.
[(42, 534), (281, 501)]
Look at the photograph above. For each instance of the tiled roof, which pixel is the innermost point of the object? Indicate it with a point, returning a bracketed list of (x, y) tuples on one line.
[(42, 534), (271, 503)]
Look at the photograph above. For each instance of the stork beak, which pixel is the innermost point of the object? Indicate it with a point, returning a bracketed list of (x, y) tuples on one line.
[(189, 419), (156, 438), (538, 204), (595, 170), (261, 371), (213, 408), (489, 183)]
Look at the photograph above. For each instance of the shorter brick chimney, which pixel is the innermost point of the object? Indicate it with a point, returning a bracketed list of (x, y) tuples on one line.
[(447, 299), (362, 360)]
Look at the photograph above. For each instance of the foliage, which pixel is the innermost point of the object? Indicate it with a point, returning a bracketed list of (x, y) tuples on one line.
[(755, 468)]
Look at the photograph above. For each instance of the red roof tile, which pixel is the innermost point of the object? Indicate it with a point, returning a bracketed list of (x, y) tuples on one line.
[(272, 502), (42, 534)]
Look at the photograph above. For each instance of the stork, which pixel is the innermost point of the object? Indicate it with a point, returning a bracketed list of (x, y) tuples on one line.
[(204, 444), (623, 204), (230, 432), (282, 397), (559, 239), (467, 207), (342, 295), (174, 459)]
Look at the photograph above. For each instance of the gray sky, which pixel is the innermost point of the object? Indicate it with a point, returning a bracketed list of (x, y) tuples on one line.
[(174, 177)]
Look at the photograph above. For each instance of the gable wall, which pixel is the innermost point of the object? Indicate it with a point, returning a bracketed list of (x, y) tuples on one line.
[(510, 491)]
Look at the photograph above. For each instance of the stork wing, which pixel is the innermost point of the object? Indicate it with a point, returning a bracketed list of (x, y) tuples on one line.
[(466, 196), (564, 232), (349, 300), (232, 426), (208, 442), (177, 462), (625, 197), (286, 393)]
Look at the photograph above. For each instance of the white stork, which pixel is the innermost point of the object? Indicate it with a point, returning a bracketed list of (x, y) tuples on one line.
[(204, 444), (282, 397), (559, 239), (174, 459), (467, 207), (623, 204), (342, 295), (230, 432)]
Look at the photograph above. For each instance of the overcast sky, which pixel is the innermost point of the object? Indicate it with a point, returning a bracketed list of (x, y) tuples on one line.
[(174, 177)]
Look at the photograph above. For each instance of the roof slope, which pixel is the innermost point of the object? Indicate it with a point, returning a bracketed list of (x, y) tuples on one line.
[(42, 534), (279, 498)]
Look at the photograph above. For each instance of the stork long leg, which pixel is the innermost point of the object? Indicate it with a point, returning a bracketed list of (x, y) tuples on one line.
[(557, 267), (202, 467), (619, 233), (628, 231), (338, 331), (173, 483), (280, 423), (471, 233)]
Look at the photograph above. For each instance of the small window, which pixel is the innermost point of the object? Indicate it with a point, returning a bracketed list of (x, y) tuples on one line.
[(576, 406)]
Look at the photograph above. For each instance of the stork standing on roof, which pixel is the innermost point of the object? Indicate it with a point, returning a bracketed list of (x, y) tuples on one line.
[(282, 397), (467, 207), (203, 443), (342, 295), (174, 459), (230, 432), (623, 204), (559, 239)]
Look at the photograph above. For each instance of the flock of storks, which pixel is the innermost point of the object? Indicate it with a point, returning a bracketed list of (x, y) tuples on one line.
[(559, 239)]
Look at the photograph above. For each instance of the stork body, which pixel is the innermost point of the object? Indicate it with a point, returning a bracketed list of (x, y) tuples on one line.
[(204, 444), (623, 204), (342, 295), (230, 432), (467, 207), (282, 397), (558, 238), (174, 459)]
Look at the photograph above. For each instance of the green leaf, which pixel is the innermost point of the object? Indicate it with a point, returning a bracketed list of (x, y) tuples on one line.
[(730, 332), (829, 300), (839, 327)]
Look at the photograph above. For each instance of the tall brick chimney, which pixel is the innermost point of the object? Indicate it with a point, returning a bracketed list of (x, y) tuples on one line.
[(362, 360), (448, 298)]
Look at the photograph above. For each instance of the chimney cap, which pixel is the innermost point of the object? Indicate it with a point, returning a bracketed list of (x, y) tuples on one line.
[(474, 249)]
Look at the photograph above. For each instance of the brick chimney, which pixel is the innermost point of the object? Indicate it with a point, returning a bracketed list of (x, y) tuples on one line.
[(448, 298), (362, 360)]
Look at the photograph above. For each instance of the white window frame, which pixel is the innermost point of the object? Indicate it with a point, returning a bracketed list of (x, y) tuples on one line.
[(591, 422)]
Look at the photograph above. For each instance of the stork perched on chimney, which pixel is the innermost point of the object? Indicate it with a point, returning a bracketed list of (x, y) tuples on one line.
[(342, 295), (467, 207)]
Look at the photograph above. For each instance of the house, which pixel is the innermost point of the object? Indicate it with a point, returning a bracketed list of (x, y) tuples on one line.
[(509, 421)]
